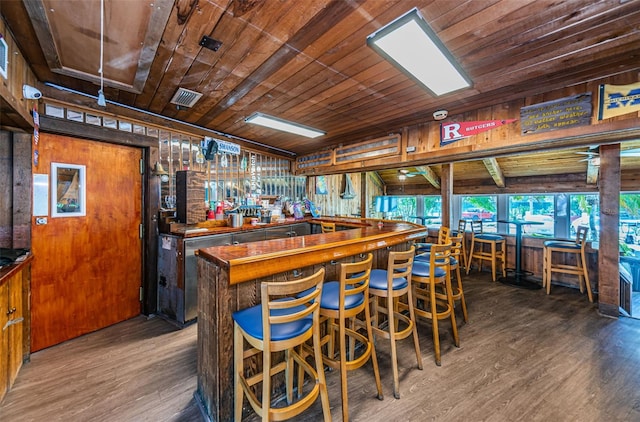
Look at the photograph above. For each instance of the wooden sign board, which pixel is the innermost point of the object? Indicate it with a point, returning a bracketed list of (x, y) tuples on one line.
[(558, 114)]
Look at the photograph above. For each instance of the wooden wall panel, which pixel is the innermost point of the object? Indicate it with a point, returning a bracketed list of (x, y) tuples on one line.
[(6, 191), (332, 204)]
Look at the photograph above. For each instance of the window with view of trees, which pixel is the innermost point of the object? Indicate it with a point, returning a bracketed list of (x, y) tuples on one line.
[(536, 208), (560, 214)]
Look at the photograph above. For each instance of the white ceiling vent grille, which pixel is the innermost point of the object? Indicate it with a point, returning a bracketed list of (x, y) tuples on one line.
[(4, 57), (185, 97)]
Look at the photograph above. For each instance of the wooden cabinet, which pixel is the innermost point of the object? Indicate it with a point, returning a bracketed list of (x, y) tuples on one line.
[(14, 291)]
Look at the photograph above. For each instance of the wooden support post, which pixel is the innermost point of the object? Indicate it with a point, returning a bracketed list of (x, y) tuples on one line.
[(608, 251)]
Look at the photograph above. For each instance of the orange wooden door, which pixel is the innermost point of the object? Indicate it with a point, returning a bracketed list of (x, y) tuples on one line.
[(87, 270)]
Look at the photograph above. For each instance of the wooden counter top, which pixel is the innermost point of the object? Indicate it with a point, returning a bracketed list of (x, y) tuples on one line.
[(248, 261), (9, 270), (189, 231)]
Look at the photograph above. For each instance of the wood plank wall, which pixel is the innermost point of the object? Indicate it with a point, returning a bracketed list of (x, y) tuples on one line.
[(424, 139), (332, 203), (15, 190)]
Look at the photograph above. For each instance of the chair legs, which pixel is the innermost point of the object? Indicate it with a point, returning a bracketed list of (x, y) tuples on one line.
[(426, 290), (457, 293), (393, 331), (493, 256), (348, 335), (580, 270)]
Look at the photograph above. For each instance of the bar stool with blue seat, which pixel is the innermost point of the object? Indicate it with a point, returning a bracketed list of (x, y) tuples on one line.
[(432, 284), (457, 290), (341, 303), (577, 249), (443, 235), (497, 249), (390, 285), (284, 320), (462, 231)]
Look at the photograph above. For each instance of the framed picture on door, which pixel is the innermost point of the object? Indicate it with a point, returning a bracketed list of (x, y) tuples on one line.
[(68, 190)]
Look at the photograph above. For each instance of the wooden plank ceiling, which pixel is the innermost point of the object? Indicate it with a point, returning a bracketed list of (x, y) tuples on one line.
[(307, 61)]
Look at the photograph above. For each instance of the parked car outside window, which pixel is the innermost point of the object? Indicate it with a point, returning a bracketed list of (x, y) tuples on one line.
[(476, 214)]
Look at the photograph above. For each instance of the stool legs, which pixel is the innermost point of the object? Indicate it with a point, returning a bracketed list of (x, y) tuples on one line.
[(492, 256), (580, 269), (458, 294)]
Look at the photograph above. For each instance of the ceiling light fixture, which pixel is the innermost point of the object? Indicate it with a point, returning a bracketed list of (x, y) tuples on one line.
[(284, 125), (410, 44), (102, 102)]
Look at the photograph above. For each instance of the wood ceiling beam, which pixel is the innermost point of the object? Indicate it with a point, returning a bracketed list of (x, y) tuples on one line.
[(430, 175), (495, 171)]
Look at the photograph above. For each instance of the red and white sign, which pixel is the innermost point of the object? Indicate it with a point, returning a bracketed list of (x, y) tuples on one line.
[(450, 132)]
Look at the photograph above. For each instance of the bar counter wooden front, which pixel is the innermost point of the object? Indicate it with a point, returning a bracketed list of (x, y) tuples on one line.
[(229, 279)]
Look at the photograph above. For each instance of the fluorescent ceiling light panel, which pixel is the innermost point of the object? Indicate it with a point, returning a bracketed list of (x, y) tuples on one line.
[(280, 124), (410, 44)]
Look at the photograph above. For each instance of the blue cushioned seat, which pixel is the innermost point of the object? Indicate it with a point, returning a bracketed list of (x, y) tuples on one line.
[(423, 269), (423, 247), (425, 257), (561, 244), (250, 320), (331, 297), (487, 236), (378, 280)]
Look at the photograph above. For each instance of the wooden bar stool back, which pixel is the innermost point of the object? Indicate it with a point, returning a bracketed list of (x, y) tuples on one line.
[(327, 227), (457, 290), (388, 286), (432, 285), (571, 248), (341, 304), (497, 249), (457, 255), (462, 231), (443, 235), (287, 317)]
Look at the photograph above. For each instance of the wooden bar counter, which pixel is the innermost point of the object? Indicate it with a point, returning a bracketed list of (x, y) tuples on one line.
[(229, 279)]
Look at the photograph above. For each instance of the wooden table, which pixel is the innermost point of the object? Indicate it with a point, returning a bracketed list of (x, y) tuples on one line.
[(229, 279)]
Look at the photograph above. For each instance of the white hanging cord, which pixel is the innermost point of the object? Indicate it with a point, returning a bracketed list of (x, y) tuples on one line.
[(101, 100), (101, 43)]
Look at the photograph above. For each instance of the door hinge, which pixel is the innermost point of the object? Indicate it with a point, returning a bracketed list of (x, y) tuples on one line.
[(141, 293), (141, 230), (141, 166)]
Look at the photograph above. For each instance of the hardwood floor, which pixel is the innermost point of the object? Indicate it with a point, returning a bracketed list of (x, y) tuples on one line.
[(524, 356)]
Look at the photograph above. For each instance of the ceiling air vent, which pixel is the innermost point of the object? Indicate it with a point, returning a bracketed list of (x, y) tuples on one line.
[(185, 97), (4, 57)]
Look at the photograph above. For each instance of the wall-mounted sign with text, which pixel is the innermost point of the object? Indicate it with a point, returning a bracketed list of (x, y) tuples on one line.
[(558, 114), (451, 132), (212, 146)]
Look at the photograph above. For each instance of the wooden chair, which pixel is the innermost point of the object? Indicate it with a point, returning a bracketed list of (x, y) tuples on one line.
[(497, 249), (432, 285), (570, 248), (389, 285), (281, 322), (342, 301), (327, 227)]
